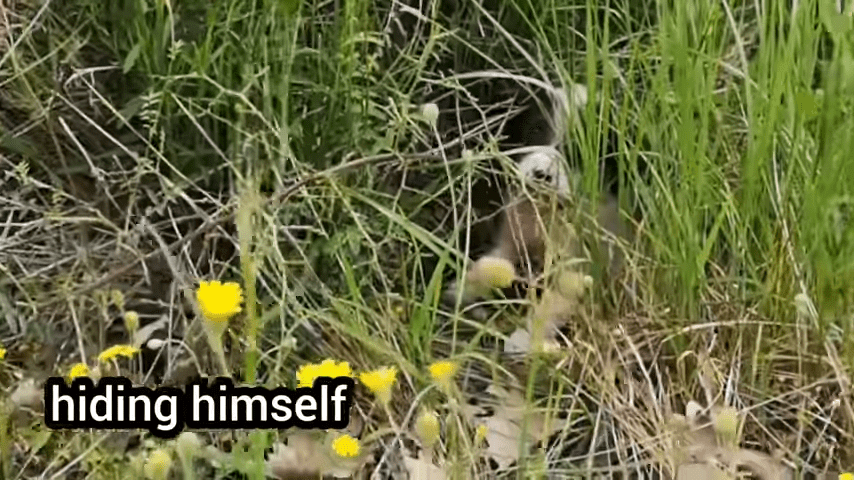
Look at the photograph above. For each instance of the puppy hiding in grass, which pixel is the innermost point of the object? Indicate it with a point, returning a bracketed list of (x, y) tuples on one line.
[(535, 236)]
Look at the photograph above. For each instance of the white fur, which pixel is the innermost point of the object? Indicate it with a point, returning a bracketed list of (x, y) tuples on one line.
[(566, 110), (547, 161)]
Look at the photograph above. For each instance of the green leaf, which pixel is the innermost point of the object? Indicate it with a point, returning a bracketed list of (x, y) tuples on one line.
[(130, 60), (837, 24), (132, 107), (18, 145), (37, 438)]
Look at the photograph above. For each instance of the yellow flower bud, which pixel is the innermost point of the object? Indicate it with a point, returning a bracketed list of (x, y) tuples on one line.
[(430, 112), (428, 429), (493, 272), (118, 299), (188, 445), (131, 321), (158, 464), (726, 425)]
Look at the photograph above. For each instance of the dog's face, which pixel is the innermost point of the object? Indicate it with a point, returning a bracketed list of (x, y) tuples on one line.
[(546, 165)]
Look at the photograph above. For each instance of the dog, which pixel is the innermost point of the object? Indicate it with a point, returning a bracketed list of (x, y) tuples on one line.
[(533, 230)]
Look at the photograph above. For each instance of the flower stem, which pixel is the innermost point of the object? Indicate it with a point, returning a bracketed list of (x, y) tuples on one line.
[(187, 467), (391, 421), (252, 327), (245, 211), (216, 346)]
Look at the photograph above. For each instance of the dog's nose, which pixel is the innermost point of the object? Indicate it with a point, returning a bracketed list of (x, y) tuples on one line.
[(543, 176)]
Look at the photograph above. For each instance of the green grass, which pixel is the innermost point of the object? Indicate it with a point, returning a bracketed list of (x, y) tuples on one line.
[(271, 128)]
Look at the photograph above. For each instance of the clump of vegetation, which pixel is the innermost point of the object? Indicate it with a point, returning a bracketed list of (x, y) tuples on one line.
[(310, 166)]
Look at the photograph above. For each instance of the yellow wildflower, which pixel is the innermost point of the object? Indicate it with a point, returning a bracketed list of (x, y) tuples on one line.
[(158, 464), (117, 351), (346, 446), (480, 434), (380, 382), (442, 372), (78, 370), (846, 476), (219, 301), (328, 368), (2, 353)]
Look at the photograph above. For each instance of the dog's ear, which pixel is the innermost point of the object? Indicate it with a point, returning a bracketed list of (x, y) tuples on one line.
[(539, 120)]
